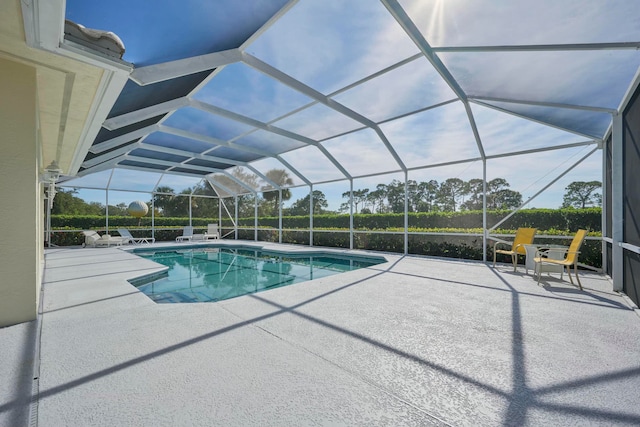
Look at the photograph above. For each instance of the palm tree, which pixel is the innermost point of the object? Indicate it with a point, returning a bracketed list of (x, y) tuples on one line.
[(281, 178), (164, 202)]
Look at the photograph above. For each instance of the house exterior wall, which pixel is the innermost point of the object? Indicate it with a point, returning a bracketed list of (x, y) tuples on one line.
[(21, 213)]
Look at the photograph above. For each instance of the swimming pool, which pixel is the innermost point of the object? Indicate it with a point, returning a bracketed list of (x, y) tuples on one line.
[(208, 274)]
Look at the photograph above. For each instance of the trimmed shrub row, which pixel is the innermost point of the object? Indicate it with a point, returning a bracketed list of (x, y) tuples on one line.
[(548, 221), (97, 222), (543, 219)]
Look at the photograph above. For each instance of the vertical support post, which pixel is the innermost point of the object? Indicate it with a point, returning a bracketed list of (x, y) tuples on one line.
[(255, 217), (605, 206), (406, 212), (311, 215), (220, 216), (51, 192), (484, 210), (153, 218), (106, 211), (617, 201), (107, 200), (350, 213), (235, 214), (190, 224), (280, 215)]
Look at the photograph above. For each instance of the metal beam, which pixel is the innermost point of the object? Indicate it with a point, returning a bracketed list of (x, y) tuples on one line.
[(211, 140), (206, 157), (284, 78), (541, 47), (249, 121), (617, 201), (143, 169), (221, 187), (122, 139), (191, 154), (293, 169), (144, 113), (237, 181), (543, 104), (437, 165), (169, 164), (502, 110), (182, 67), (377, 74), (540, 150), (219, 142), (110, 155), (420, 110), (269, 128), (631, 90), (474, 129), (279, 14), (414, 33), (544, 188), (104, 165)]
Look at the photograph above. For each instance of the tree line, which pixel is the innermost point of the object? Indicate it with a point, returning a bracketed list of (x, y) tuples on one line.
[(453, 194), (450, 195)]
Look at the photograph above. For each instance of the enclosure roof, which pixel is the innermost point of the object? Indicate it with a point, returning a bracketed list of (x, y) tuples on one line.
[(328, 90)]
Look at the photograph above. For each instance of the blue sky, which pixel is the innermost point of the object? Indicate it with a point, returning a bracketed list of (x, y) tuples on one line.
[(329, 44)]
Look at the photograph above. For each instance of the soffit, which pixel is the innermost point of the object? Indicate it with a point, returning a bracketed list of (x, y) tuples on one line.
[(66, 88)]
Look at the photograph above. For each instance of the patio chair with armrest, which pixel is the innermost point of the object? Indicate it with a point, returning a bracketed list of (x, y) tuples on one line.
[(570, 259), (135, 240), (524, 236)]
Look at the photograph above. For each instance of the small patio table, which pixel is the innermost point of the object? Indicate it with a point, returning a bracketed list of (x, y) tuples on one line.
[(553, 252)]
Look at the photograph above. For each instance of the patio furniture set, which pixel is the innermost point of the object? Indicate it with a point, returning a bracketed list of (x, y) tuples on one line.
[(543, 259), (93, 239)]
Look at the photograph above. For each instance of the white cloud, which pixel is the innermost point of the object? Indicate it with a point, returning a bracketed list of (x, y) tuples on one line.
[(335, 42), (313, 164), (483, 22), (362, 153)]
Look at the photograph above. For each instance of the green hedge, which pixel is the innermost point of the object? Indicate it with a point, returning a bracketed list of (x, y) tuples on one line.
[(71, 237), (543, 219), (465, 247), (548, 222), (95, 222)]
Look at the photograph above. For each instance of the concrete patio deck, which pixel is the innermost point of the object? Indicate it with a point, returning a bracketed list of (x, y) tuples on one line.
[(415, 342)]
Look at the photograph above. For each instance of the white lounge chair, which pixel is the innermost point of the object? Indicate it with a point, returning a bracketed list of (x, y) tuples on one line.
[(187, 234), (135, 240), (212, 232), (93, 239)]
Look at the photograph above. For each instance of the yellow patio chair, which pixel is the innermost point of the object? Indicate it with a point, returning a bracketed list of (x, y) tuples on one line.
[(571, 257), (524, 236)]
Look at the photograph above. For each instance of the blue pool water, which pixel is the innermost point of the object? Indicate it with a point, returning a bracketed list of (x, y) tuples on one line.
[(215, 274)]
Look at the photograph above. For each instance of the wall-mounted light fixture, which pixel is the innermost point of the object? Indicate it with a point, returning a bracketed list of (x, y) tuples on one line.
[(51, 173)]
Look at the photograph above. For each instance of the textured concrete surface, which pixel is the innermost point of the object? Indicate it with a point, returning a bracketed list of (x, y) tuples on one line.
[(17, 347), (415, 341)]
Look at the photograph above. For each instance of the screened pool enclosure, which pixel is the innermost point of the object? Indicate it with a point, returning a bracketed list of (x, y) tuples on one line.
[(286, 101)]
